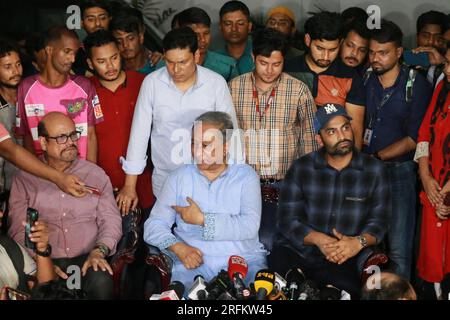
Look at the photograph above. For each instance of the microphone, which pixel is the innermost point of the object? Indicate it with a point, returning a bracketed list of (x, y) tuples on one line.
[(280, 283), (308, 291), (294, 278), (237, 271), (330, 292), (218, 285), (175, 292), (264, 282), (198, 289)]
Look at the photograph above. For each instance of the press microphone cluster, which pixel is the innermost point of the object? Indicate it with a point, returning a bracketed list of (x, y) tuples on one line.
[(230, 285)]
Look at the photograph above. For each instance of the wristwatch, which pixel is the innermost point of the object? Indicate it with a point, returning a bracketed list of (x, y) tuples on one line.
[(103, 249), (362, 240), (46, 253)]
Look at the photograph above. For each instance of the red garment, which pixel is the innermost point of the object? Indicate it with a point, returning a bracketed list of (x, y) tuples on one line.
[(434, 252), (114, 132)]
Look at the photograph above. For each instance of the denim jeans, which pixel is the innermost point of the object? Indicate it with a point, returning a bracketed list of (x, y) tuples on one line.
[(400, 236)]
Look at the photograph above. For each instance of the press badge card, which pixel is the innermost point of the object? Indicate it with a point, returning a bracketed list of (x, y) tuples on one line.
[(367, 136)]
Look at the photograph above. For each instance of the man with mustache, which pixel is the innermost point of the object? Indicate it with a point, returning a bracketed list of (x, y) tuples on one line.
[(118, 90), (334, 204), (395, 108), (84, 231), (199, 21), (129, 30), (54, 89), (95, 15), (10, 76), (236, 26), (355, 46), (329, 79)]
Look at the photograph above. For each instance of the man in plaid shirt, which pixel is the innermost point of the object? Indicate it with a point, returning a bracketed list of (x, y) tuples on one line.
[(276, 112), (333, 204)]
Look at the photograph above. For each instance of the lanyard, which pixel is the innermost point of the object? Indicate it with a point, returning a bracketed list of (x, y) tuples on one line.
[(380, 106), (269, 101)]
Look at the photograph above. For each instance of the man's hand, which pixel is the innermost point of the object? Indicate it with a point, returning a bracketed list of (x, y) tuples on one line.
[(39, 235), (96, 260), (155, 57), (1, 216), (432, 189), (127, 200), (60, 273), (433, 54), (344, 249), (190, 257), (320, 240), (190, 214), (70, 184)]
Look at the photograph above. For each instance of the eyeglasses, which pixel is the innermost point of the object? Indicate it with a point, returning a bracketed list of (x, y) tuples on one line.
[(74, 136)]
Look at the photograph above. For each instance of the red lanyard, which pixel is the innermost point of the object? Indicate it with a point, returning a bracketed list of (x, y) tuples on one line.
[(269, 101)]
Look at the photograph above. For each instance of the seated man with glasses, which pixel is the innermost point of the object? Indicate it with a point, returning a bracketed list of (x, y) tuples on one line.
[(84, 231)]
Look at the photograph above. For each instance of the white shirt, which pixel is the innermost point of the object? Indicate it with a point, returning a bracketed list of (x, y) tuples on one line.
[(166, 115), (8, 274)]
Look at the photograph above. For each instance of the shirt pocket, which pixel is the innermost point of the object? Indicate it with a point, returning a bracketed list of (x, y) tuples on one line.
[(356, 205)]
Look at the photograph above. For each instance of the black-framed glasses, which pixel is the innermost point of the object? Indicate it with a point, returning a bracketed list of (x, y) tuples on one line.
[(74, 136)]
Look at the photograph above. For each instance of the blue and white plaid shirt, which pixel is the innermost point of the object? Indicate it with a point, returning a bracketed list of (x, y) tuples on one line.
[(316, 197)]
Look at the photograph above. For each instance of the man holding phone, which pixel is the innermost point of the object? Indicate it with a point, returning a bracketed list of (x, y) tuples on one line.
[(11, 253), (85, 231)]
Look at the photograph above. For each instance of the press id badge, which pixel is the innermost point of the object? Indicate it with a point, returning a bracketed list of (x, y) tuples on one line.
[(367, 137)]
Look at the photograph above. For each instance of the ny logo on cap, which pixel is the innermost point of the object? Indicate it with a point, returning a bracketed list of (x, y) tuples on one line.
[(330, 108)]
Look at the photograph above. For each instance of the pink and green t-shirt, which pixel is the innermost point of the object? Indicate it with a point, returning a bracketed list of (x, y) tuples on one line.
[(76, 98)]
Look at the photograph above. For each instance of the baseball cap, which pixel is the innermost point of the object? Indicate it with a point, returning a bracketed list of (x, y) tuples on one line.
[(327, 112)]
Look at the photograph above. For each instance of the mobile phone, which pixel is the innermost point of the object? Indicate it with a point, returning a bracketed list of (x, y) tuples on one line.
[(14, 294), (93, 190), (447, 199), (416, 59), (32, 217)]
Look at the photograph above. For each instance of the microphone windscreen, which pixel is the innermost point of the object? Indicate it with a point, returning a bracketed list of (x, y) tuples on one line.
[(178, 287), (295, 275), (264, 279), (237, 264)]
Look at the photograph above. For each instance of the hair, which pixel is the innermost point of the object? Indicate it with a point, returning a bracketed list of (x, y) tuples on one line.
[(393, 287), (180, 38), (193, 15), (388, 32), (431, 17), (353, 14), (87, 4), (221, 119), (324, 25), (359, 27), (129, 20), (7, 46), (97, 39), (42, 130), (56, 290), (267, 40), (174, 23), (34, 43), (440, 106), (56, 33), (232, 6)]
